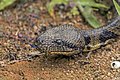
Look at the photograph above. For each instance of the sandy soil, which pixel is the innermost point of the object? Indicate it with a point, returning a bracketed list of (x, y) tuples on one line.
[(19, 25)]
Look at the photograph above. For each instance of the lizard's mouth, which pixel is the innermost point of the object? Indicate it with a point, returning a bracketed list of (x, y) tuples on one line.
[(57, 50), (67, 53)]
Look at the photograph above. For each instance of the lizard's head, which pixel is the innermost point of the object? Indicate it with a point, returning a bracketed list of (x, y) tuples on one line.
[(51, 45), (57, 40)]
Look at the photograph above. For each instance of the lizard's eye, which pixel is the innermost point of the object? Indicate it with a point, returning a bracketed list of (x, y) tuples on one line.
[(58, 42)]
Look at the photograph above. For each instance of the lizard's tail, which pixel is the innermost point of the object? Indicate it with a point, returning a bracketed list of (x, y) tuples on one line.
[(114, 26)]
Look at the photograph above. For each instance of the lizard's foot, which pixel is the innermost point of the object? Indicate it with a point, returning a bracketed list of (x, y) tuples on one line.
[(88, 54), (13, 58)]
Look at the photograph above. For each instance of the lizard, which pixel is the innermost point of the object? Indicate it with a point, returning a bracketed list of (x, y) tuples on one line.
[(69, 40)]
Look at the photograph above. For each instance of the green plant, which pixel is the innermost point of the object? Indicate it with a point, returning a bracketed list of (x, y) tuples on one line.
[(86, 8), (5, 3), (117, 7)]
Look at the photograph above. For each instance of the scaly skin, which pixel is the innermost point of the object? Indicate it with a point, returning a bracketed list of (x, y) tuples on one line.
[(69, 40)]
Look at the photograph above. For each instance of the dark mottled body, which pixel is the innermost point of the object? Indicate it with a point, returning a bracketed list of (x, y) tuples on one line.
[(69, 40)]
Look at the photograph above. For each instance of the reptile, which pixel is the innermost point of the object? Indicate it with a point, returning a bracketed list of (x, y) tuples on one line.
[(69, 40)]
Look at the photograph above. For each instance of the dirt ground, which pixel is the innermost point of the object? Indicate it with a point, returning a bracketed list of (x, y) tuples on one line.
[(21, 23)]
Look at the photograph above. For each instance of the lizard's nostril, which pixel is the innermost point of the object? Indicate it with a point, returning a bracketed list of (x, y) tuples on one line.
[(41, 41)]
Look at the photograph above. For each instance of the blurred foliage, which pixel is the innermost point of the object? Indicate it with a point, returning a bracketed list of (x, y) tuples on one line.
[(117, 6), (86, 8), (5, 3)]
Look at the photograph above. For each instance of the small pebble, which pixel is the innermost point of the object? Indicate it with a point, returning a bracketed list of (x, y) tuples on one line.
[(115, 64)]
